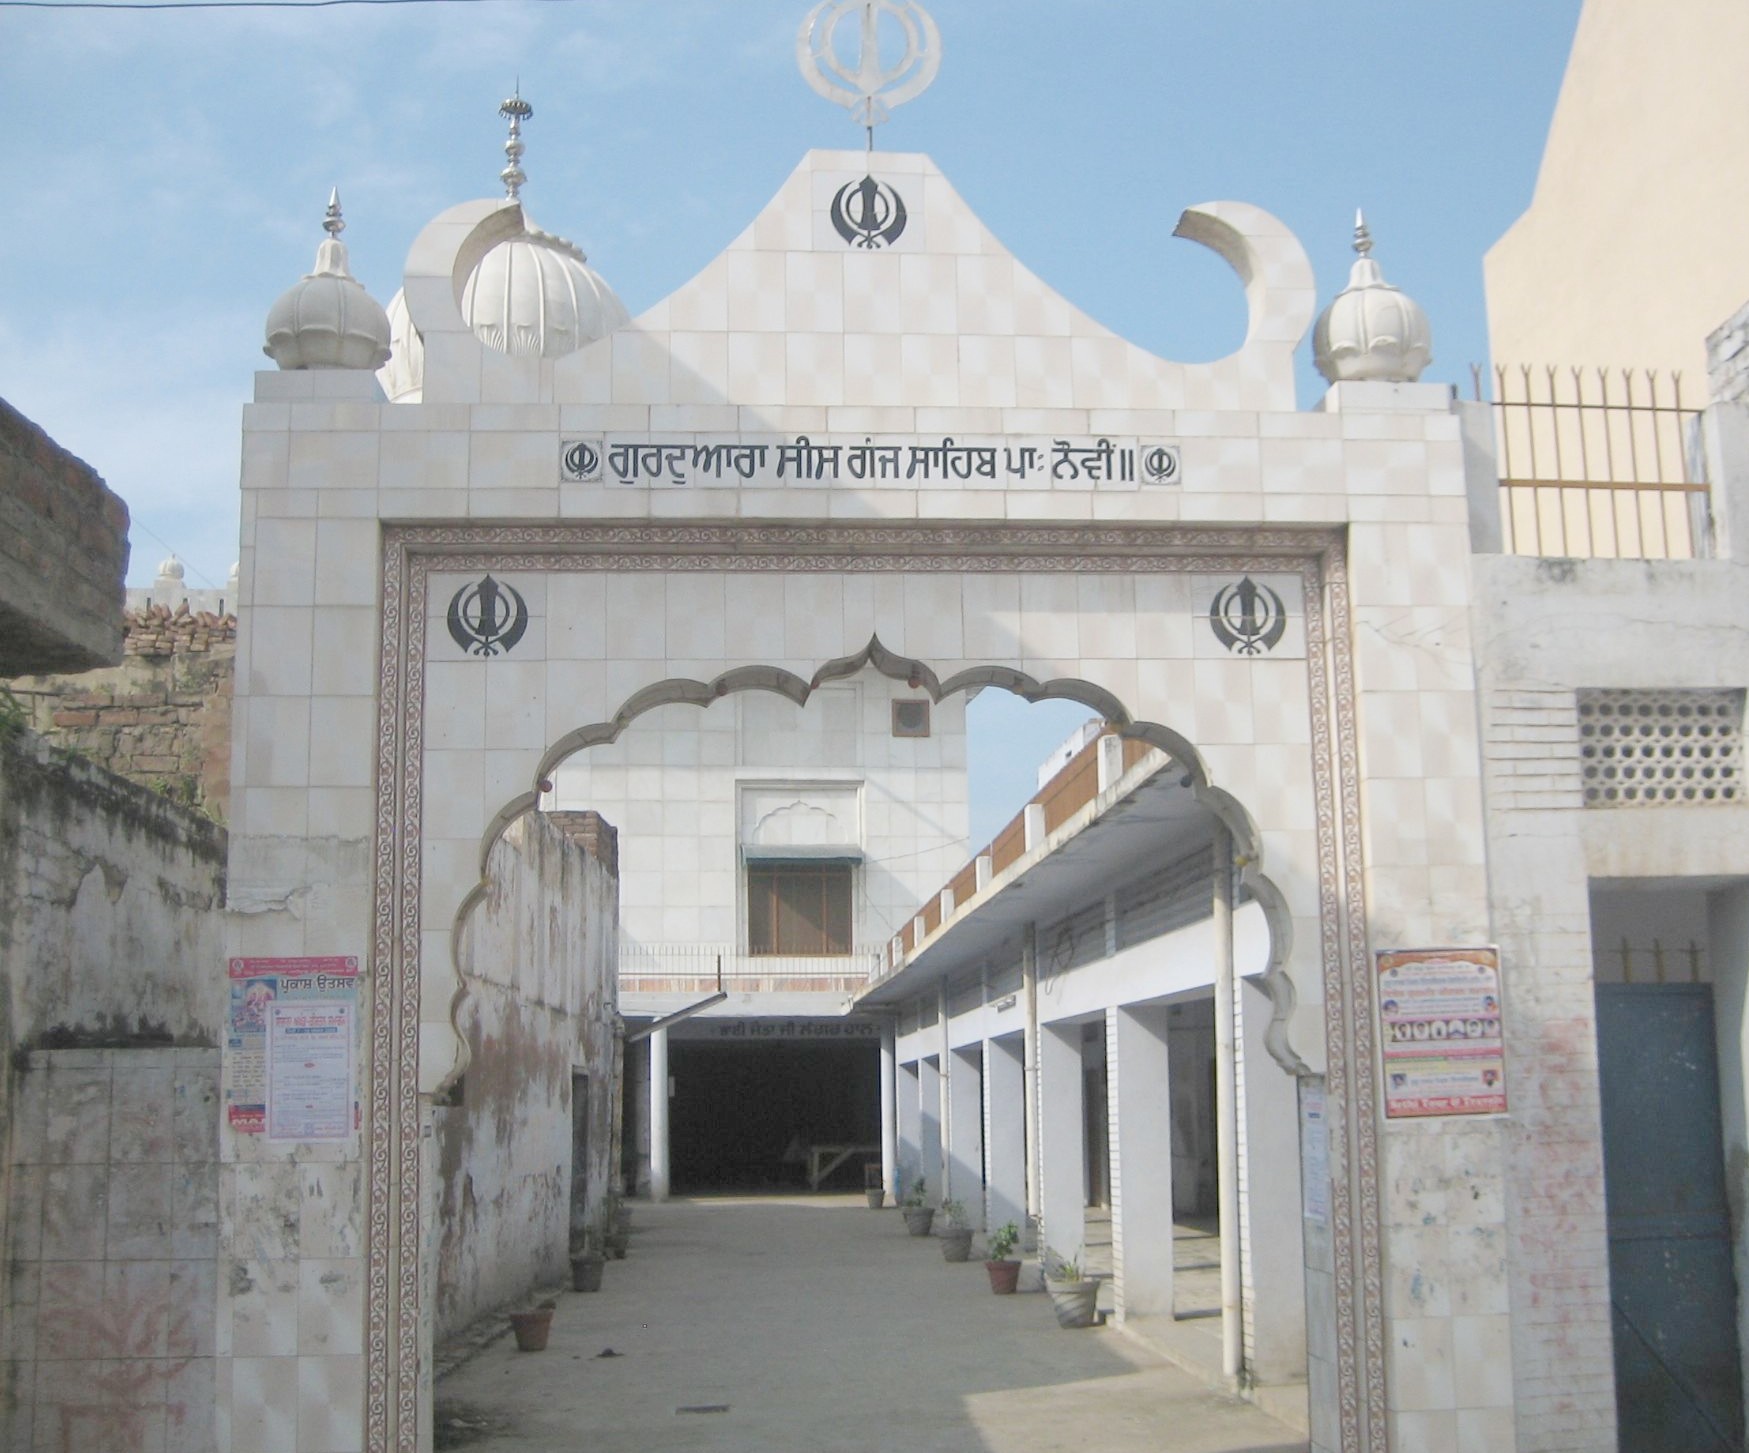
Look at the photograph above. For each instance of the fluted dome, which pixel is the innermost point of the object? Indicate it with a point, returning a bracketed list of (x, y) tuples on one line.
[(403, 376), (328, 320), (536, 295), (1371, 330), (170, 568)]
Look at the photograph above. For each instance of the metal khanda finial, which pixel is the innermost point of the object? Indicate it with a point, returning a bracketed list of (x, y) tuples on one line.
[(515, 111), (332, 222), (1362, 237), (867, 88)]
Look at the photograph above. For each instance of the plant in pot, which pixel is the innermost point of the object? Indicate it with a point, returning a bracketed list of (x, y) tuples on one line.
[(619, 1229), (917, 1215), (586, 1263), (873, 1187), (1072, 1294), (1002, 1266), (955, 1233), (531, 1327)]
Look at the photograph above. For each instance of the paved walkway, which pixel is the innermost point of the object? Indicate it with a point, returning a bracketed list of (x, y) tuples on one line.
[(814, 1324)]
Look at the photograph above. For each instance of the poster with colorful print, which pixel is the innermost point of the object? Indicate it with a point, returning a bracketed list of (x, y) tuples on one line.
[(290, 1047), (1440, 1025)]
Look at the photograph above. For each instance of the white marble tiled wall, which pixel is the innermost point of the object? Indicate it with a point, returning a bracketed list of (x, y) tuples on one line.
[(788, 333)]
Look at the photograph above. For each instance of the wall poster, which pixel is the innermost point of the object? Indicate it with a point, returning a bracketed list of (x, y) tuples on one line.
[(1439, 1012), (291, 1048)]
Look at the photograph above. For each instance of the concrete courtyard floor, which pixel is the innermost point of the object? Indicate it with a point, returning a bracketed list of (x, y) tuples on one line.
[(813, 1323)]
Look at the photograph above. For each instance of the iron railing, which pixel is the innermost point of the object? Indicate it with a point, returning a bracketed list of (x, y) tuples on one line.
[(1596, 463), (650, 966)]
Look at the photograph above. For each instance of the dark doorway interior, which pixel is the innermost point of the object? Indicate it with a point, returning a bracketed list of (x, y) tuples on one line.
[(741, 1111)]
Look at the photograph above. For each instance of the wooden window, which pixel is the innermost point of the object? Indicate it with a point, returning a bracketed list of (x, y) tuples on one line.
[(798, 908)]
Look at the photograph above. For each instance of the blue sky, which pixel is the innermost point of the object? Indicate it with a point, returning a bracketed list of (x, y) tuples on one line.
[(168, 172)]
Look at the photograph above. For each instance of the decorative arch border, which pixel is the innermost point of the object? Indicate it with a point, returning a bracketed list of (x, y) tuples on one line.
[(412, 553)]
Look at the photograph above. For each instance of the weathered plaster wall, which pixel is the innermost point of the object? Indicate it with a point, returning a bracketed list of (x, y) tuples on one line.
[(108, 899), (109, 1020), (539, 960), (1546, 628)]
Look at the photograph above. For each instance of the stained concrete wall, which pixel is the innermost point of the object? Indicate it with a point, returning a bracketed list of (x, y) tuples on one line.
[(1552, 628), (110, 1009), (539, 960)]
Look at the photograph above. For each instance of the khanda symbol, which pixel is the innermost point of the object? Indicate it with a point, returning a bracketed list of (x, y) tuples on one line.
[(1248, 618), (487, 618), (868, 213)]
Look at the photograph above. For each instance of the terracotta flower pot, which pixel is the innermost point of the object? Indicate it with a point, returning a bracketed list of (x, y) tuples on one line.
[(531, 1328), (586, 1272), (918, 1218), (1004, 1276), (956, 1243)]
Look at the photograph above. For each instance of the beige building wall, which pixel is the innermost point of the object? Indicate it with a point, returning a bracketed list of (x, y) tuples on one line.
[(1636, 244)]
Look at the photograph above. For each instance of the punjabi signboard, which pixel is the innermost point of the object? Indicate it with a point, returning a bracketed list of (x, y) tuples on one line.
[(291, 1048), (1439, 1014)]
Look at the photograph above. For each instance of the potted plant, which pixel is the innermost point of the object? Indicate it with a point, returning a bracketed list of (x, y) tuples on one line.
[(531, 1327), (1072, 1294), (917, 1215), (1003, 1268), (873, 1188), (586, 1263), (955, 1233), (619, 1229)]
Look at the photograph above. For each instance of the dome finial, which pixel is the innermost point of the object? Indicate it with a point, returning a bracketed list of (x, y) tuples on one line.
[(328, 320), (1371, 331), (515, 111)]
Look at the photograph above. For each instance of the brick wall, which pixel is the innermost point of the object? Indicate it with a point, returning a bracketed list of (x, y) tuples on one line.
[(63, 555), (162, 719)]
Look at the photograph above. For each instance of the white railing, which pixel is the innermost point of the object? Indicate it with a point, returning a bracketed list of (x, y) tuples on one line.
[(640, 962)]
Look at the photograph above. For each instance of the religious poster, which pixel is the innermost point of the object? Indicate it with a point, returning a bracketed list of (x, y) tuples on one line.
[(290, 1047), (1439, 1013), (309, 1069)]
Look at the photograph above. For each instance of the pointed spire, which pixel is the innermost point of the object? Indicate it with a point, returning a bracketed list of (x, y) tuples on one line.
[(333, 223), (515, 111), (1362, 237)]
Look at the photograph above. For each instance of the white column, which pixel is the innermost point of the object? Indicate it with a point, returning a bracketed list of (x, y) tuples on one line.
[(889, 1114), (1062, 1141), (659, 1174), (944, 1061), (1226, 1108), (1141, 1159), (929, 1126), (1275, 1259), (910, 1098), (965, 1130), (1004, 1131), (1029, 1062)]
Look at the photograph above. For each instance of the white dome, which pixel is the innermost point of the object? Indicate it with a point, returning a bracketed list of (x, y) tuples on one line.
[(536, 295), (1371, 330), (328, 320), (170, 569), (403, 376)]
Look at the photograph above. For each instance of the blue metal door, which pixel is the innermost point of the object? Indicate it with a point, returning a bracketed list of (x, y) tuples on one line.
[(1673, 1292)]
